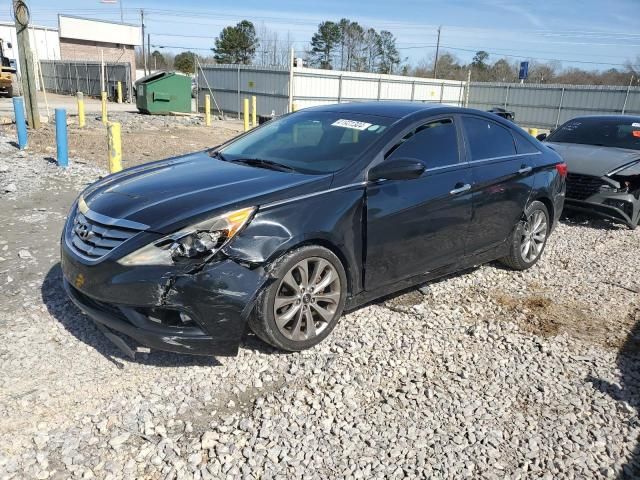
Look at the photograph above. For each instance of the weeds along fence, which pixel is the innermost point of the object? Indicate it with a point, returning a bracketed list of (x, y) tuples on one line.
[(70, 77), (547, 106), (279, 90)]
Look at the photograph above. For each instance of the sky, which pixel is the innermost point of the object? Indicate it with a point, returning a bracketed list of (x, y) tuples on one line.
[(590, 34)]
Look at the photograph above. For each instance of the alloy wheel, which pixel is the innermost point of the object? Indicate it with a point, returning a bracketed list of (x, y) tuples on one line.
[(307, 299), (534, 235)]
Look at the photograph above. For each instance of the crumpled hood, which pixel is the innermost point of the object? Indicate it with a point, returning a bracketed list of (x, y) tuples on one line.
[(169, 194), (593, 160)]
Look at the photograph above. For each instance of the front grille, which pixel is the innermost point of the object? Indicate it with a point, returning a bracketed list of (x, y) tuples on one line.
[(581, 187), (94, 239)]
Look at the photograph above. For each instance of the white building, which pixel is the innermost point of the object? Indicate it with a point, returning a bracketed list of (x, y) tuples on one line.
[(44, 41)]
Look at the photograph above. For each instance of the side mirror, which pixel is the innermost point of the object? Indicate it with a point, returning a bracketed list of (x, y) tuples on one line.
[(400, 169), (541, 137), (9, 45)]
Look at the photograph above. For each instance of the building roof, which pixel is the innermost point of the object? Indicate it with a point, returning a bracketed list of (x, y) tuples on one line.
[(102, 31)]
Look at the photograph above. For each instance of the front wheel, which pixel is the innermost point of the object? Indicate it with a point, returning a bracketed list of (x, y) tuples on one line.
[(529, 237), (304, 304)]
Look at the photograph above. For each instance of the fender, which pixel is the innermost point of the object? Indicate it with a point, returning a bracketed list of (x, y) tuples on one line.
[(333, 219)]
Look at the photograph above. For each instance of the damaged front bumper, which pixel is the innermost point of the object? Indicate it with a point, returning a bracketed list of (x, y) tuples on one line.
[(201, 313), (619, 208)]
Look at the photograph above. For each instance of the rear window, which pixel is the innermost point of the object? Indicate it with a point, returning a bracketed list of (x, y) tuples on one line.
[(488, 139), (604, 132)]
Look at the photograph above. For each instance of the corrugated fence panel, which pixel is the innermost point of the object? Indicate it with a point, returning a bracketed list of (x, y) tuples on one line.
[(633, 103), (547, 106), (395, 90), (534, 105), (359, 89), (310, 88), (70, 77), (231, 84)]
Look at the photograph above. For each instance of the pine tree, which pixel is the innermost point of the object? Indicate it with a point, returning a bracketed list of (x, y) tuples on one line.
[(237, 44), (324, 44)]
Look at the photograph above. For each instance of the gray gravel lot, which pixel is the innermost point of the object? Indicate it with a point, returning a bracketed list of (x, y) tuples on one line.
[(487, 374)]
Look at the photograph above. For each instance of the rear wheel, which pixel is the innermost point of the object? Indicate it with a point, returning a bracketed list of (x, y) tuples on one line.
[(529, 237), (304, 304)]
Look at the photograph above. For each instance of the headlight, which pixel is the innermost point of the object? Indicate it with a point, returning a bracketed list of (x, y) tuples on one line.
[(197, 241)]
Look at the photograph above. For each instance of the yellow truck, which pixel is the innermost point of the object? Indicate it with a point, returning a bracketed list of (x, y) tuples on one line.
[(8, 79)]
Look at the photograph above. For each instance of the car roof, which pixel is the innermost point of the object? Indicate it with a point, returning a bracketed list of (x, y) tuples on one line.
[(389, 109), (620, 118)]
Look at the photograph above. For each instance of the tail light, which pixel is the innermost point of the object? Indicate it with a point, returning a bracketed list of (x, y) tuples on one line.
[(562, 169)]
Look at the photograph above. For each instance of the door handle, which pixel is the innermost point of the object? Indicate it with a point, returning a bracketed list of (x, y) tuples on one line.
[(461, 189), (524, 169)]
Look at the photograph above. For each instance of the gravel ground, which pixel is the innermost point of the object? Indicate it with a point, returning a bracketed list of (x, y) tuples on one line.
[(486, 374)]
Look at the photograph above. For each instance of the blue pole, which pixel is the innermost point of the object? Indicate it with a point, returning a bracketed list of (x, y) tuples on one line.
[(61, 137), (21, 123)]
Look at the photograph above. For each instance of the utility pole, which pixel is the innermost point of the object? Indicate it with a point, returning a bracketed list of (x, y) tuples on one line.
[(435, 63), (144, 55), (121, 12), (149, 50), (27, 70)]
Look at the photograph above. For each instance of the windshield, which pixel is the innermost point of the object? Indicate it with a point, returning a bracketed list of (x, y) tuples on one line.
[(309, 142), (614, 132)]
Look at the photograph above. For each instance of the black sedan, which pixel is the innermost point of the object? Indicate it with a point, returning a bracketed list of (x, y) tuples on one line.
[(286, 226), (603, 157)]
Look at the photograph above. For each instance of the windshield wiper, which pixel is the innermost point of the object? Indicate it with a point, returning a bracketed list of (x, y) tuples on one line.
[(260, 163)]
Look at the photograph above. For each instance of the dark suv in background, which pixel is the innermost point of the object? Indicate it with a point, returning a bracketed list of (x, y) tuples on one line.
[(322, 210)]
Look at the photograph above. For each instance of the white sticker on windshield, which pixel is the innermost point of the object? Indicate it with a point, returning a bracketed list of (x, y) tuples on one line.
[(635, 124), (351, 124)]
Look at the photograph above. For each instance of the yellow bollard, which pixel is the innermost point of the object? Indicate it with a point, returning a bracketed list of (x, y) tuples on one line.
[(119, 89), (254, 122), (246, 114), (294, 107), (207, 110), (115, 147), (81, 121), (103, 95), (533, 132)]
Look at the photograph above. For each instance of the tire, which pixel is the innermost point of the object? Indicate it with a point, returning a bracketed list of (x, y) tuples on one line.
[(303, 318), (520, 257)]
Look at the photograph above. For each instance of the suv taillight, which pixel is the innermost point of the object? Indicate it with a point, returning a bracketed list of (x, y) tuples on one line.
[(562, 169)]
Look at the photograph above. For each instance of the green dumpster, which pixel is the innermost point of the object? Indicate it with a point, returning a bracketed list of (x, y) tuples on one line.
[(163, 93)]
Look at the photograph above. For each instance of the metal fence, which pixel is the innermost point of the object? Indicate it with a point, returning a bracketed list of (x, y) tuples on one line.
[(547, 106), (76, 76), (278, 90), (230, 84)]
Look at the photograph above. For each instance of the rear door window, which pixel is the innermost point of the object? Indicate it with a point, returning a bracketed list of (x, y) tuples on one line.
[(487, 139), (524, 145), (434, 143)]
